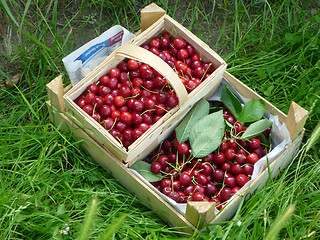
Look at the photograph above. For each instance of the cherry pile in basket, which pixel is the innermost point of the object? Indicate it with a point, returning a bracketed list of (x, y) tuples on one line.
[(133, 96), (182, 57), (128, 100), (212, 153)]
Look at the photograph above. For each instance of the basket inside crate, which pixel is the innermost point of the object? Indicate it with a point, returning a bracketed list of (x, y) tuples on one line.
[(161, 128)]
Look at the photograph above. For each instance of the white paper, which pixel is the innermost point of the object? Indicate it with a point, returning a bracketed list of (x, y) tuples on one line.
[(86, 58), (280, 139)]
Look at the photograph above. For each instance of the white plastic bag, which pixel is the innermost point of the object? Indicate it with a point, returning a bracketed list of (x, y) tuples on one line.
[(83, 60)]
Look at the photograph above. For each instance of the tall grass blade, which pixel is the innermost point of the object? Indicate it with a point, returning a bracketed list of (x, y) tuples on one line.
[(9, 13), (280, 222), (314, 137), (113, 229), (89, 220)]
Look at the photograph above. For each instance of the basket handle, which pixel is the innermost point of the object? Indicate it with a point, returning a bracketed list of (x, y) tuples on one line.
[(145, 56)]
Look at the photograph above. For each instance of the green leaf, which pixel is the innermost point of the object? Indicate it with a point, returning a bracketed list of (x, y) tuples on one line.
[(206, 134), (144, 169), (252, 111), (256, 128), (231, 101), (199, 110)]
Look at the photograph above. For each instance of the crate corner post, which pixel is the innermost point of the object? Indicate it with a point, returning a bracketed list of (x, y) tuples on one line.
[(200, 213), (296, 119), (150, 14), (55, 93)]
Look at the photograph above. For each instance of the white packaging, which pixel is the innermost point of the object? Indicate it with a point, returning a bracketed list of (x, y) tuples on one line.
[(83, 60)]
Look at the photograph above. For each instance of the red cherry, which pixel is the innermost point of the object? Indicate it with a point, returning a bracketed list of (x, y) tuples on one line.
[(235, 189), (254, 143), (172, 100), (119, 101), (230, 154), (188, 190), (132, 64), (226, 166), (89, 98), (179, 43), (123, 67), (114, 73), (242, 179), (211, 189), (199, 72), (202, 179), (198, 196), (126, 117), (248, 169), (104, 80), (156, 167), (183, 148), (182, 54), (236, 169), (252, 158), (81, 102), (230, 182), (206, 168), (107, 123), (185, 179), (238, 127), (219, 158), (137, 133), (164, 42), (93, 88), (190, 50), (127, 135), (226, 194), (217, 175), (88, 109), (241, 158), (105, 111)]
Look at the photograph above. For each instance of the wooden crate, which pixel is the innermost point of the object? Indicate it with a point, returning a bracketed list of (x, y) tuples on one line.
[(161, 129), (202, 212), (196, 211)]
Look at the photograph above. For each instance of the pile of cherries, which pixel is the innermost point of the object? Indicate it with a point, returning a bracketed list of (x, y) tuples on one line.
[(133, 96), (182, 57), (214, 178)]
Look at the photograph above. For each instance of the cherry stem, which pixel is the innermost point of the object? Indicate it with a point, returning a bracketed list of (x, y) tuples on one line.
[(205, 72), (148, 90), (130, 81), (132, 96), (149, 110), (114, 123), (162, 108)]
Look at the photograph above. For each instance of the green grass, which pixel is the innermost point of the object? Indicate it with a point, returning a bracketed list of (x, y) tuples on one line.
[(48, 183)]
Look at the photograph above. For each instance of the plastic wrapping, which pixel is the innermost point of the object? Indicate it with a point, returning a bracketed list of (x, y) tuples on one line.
[(83, 60)]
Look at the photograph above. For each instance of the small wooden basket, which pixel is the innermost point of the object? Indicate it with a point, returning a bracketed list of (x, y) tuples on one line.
[(161, 129)]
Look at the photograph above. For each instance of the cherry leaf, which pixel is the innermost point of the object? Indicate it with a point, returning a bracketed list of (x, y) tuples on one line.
[(206, 134), (231, 102), (256, 128), (199, 110), (144, 169), (252, 111)]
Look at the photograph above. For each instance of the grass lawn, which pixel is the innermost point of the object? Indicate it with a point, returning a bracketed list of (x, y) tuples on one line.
[(51, 189)]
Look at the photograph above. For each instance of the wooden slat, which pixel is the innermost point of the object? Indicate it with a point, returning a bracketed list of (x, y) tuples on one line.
[(121, 173)]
